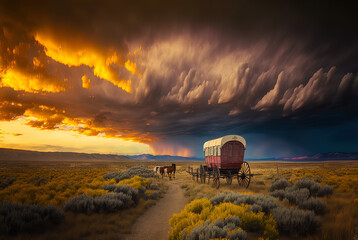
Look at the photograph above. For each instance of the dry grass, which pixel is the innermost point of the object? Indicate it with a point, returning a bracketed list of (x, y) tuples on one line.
[(75, 226), (341, 216), (338, 222), (95, 226)]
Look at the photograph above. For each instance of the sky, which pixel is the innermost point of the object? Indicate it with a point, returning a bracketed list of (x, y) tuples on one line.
[(163, 77)]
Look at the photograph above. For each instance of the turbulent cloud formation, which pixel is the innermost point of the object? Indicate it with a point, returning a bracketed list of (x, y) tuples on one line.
[(175, 74)]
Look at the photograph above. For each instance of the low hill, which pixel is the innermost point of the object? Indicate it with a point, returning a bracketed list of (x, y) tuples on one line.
[(164, 158), (331, 156), (26, 155)]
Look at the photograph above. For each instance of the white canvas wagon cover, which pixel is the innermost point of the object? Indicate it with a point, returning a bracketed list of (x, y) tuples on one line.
[(221, 141)]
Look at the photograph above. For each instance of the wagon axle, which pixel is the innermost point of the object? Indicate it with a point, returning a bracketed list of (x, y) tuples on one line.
[(204, 175)]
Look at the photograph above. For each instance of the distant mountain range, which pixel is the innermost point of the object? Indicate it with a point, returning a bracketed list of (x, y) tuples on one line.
[(25, 155), (15, 154), (332, 156), (164, 158)]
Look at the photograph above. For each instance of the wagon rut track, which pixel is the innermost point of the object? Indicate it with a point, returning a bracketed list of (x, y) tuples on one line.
[(154, 223)]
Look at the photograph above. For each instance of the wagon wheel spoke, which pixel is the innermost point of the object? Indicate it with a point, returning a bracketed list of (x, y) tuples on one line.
[(216, 177), (244, 175)]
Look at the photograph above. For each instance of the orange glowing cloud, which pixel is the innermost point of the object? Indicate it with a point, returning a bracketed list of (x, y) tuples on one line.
[(31, 82), (24, 66), (160, 148), (104, 62), (86, 82), (131, 67)]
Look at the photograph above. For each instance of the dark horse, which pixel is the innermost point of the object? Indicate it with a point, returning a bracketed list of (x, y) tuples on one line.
[(170, 170)]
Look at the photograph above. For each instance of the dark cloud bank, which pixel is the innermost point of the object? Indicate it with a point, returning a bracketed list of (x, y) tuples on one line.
[(283, 74)]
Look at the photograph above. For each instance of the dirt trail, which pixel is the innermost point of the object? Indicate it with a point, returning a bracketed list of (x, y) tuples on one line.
[(154, 223)]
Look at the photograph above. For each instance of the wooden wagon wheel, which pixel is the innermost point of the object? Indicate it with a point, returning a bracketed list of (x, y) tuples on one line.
[(216, 177), (244, 175), (202, 174), (229, 178)]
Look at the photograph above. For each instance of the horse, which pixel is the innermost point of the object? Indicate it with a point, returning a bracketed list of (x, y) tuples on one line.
[(170, 170), (174, 167), (156, 169), (162, 171)]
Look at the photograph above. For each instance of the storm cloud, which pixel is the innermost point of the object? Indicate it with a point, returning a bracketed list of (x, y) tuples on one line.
[(173, 74)]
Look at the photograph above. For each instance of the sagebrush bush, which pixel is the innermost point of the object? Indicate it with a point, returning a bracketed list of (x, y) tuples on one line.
[(314, 188), (279, 184), (278, 193), (293, 220), (107, 203), (313, 204), (52, 186), (219, 229), (6, 181), (265, 202), (135, 182), (133, 171), (123, 189), (296, 196), (325, 190), (290, 220), (302, 193), (16, 218), (196, 213)]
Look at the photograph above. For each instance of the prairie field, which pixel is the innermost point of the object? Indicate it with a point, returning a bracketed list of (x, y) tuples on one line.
[(340, 218), (60, 183)]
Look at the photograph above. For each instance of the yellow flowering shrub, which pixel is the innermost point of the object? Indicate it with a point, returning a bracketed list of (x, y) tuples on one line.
[(344, 179), (135, 182), (56, 186), (200, 210)]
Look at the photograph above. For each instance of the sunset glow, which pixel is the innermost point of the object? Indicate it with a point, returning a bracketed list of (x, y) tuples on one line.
[(18, 134), (154, 78)]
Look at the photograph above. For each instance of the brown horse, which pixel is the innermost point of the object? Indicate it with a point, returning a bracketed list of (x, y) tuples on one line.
[(170, 170)]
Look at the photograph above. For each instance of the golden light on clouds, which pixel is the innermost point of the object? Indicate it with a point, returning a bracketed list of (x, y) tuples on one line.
[(86, 82), (36, 82), (104, 62), (130, 66)]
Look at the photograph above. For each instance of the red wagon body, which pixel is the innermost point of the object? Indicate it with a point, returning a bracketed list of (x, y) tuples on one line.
[(226, 152), (224, 158)]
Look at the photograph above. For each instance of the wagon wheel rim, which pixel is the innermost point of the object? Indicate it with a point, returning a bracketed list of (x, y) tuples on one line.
[(216, 177), (244, 175), (229, 178)]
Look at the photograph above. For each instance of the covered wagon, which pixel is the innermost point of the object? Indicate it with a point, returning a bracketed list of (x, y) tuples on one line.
[(224, 158)]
